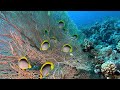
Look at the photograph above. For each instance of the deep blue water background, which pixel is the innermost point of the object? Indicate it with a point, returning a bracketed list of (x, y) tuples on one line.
[(90, 17)]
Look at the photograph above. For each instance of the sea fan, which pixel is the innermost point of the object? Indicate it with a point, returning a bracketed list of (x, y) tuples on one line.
[(24, 32)]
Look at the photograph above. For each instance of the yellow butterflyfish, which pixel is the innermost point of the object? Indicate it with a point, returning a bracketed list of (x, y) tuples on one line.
[(23, 63), (45, 69)]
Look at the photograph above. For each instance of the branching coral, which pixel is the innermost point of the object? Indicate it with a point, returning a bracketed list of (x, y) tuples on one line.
[(108, 68)]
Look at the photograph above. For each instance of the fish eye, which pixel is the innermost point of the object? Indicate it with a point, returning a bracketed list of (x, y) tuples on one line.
[(61, 24), (67, 48), (45, 45)]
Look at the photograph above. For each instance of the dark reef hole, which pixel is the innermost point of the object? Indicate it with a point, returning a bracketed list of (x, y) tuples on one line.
[(46, 32)]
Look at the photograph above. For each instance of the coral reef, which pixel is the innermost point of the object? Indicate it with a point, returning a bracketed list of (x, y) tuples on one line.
[(105, 38), (40, 37), (23, 35)]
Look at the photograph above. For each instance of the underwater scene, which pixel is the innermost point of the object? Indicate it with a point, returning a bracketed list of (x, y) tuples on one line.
[(59, 44)]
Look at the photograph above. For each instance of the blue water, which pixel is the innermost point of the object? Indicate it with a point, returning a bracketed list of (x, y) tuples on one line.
[(90, 17)]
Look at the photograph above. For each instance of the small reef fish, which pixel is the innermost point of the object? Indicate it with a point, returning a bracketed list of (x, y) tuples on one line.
[(45, 45), (67, 48), (45, 69), (61, 24), (23, 63)]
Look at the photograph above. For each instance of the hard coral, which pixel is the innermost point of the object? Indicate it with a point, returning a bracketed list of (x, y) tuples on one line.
[(108, 68), (87, 45)]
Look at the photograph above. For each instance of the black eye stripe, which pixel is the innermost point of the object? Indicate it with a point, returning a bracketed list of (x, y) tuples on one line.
[(47, 65), (45, 43), (23, 60), (61, 22), (67, 46)]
